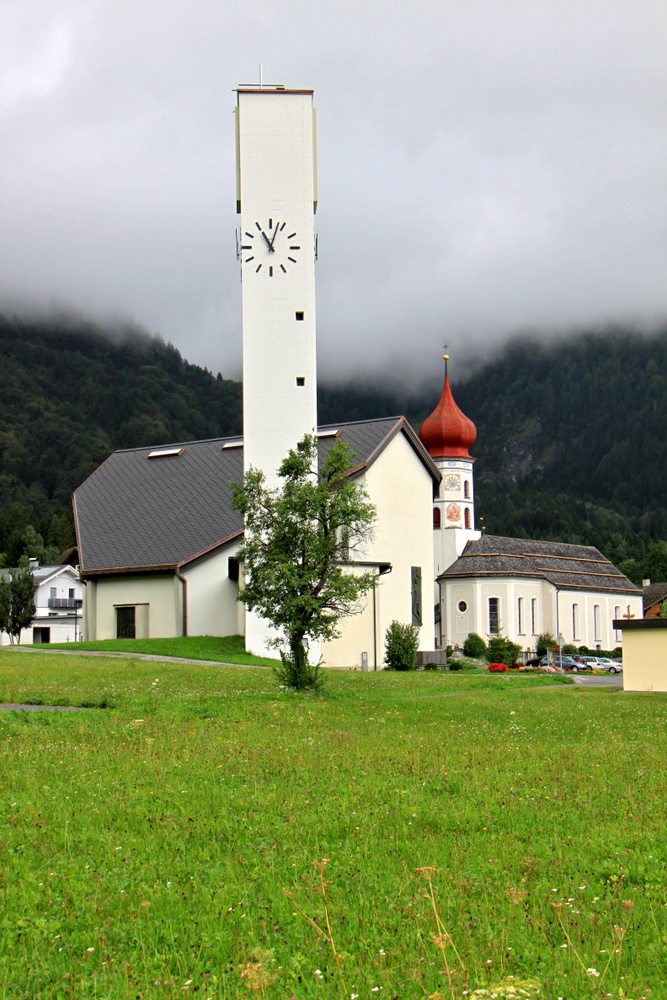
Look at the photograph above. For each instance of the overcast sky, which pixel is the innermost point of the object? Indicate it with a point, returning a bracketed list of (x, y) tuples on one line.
[(485, 166)]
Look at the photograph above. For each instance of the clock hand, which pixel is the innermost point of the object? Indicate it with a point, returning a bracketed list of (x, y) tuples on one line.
[(274, 237), (269, 243)]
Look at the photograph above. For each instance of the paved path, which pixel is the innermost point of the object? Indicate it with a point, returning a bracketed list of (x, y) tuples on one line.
[(15, 707), (111, 654), (592, 680)]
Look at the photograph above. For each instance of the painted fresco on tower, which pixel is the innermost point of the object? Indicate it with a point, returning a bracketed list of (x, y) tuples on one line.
[(453, 512)]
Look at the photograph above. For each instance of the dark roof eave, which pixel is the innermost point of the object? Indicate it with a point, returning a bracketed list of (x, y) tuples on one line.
[(198, 556), (559, 585), (165, 567)]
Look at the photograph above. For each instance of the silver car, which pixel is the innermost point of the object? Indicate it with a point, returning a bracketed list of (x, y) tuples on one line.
[(611, 666)]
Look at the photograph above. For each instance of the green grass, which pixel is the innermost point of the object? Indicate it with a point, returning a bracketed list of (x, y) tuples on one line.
[(224, 649), (166, 845)]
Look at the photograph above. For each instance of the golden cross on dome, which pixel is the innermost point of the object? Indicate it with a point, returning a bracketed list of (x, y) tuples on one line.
[(445, 356)]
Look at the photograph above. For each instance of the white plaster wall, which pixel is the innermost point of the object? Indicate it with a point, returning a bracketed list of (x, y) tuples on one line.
[(212, 605), (554, 611), (402, 490), (162, 594), (277, 181), (65, 581), (61, 622)]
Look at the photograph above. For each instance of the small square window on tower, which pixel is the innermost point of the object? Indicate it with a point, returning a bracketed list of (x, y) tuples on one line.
[(299, 316), (300, 380)]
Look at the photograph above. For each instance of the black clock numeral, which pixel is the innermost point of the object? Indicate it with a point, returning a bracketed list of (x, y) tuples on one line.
[(291, 236), (282, 227), (258, 268), (248, 259), (250, 236), (246, 246), (283, 269), (258, 226), (292, 259), (270, 223), (295, 248), (270, 272)]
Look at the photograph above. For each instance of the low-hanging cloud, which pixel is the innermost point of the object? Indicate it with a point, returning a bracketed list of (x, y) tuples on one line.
[(484, 167)]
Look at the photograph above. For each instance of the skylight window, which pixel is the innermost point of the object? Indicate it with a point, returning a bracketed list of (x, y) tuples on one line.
[(233, 444), (166, 453)]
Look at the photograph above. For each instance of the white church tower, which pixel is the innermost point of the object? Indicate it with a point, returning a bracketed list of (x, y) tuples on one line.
[(276, 196), (447, 435)]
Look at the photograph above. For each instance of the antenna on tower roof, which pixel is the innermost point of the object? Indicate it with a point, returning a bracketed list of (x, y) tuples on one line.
[(261, 79)]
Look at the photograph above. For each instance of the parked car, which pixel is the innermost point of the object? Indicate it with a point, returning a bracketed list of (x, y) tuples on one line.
[(611, 666), (593, 662), (563, 662)]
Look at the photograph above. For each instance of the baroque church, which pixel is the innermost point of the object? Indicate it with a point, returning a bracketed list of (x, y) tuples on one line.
[(489, 584), (158, 537)]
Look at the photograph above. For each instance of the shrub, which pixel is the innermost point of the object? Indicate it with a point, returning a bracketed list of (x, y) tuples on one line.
[(474, 646), (400, 646), (498, 668), (501, 650), (430, 666), (544, 642)]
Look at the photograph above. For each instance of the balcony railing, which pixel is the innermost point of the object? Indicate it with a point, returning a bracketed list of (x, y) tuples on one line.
[(65, 602)]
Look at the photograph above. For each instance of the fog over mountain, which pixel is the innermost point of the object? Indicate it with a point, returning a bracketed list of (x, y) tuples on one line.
[(484, 168)]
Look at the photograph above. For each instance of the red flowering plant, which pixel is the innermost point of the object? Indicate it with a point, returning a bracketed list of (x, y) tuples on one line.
[(497, 668)]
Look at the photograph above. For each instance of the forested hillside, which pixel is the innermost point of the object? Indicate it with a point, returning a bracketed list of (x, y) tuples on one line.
[(572, 440), (570, 446), (70, 394)]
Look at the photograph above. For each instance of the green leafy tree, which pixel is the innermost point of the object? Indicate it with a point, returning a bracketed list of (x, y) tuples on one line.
[(544, 641), (663, 609), (502, 650), (34, 547), (17, 603), (5, 603), (474, 646), (400, 646), (296, 551)]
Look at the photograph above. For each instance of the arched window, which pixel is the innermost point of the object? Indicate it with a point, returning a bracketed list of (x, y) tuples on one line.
[(466, 489), (575, 621), (466, 517), (436, 517), (596, 621)]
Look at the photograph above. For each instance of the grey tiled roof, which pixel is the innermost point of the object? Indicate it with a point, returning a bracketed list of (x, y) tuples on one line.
[(571, 567), (653, 593), (136, 513)]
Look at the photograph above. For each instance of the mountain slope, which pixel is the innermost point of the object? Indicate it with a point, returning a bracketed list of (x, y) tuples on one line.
[(570, 446)]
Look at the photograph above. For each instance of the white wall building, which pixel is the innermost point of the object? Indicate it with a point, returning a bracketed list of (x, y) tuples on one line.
[(58, 606), (524, 588), (158, 538)]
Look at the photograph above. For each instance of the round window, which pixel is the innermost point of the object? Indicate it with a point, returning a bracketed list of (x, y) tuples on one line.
[(463, 606)]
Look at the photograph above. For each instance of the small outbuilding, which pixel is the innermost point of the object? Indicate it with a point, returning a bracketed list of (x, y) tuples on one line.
[(644, 653)]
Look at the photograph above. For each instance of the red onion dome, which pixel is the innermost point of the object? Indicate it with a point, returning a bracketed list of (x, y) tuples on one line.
[(447, 433)]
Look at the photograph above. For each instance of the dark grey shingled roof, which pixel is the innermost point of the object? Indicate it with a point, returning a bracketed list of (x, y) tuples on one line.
[(136, 513), (653, 593), (569, 567)]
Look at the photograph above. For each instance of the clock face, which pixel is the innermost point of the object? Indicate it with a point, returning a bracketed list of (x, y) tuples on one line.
[(452, 481), (270, 247)]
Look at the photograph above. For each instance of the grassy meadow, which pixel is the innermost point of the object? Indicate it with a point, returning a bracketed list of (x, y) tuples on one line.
[(401, 835)]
